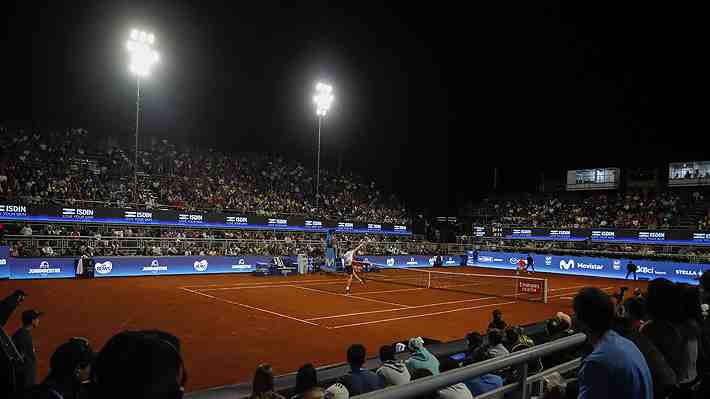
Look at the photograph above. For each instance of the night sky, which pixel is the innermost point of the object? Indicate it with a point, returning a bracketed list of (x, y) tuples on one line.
[(429, 97)]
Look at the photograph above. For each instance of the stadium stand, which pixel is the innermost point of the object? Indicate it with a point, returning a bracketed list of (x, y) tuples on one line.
[(69, 167), (631, 209)]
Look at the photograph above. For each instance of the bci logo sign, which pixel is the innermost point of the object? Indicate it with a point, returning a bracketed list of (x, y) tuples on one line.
[(646, 270)]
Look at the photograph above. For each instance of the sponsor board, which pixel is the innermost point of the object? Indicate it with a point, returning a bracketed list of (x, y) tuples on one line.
[(566, 264), (44, 269), (200, 265), (103, 267), (155, 267), (13, 210)]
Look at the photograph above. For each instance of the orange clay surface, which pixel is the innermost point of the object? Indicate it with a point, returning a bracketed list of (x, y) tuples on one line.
[(228, 324)]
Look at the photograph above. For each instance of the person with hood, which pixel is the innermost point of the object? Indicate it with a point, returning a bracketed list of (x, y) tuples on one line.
[(420, 357), (392, 372)]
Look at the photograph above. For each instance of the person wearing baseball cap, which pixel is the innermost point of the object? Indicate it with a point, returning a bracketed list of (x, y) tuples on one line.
[(23, 341)]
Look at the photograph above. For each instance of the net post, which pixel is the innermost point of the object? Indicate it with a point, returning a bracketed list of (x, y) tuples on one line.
[(428, 283), (544, 291)]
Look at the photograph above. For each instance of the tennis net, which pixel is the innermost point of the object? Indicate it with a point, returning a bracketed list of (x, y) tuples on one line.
[(518, 287)]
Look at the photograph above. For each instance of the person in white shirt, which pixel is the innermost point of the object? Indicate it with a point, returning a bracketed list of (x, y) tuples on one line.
[(495, 340), (352, 266), (47, 250)]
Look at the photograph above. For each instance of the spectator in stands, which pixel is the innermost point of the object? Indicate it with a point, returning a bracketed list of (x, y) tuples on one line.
[(420, 357), (306, 381), (69, 370), (636, 311), (663, 377), (474, 340), (486, 382), (510, 338), (615, 368), (495, 340), (358, 379), (337, 391), (423, 373), (557, 327), (497, 321), (25, 345), (26, 230), (135, 364), (47, 250), (662, 299), (456, 391), (690, 321), (392, 372), (262, 386)]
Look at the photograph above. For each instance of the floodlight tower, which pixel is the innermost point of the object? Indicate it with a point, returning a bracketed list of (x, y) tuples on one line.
[(323, 99), (143, 57)]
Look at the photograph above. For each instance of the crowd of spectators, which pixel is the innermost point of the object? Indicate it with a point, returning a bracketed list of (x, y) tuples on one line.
[(71, 166), (620, 210), (652, 344), (79, 239)]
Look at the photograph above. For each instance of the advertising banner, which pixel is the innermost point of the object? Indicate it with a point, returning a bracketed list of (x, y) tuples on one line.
[(409, 260), (119, 266), (41, 268), (628, 236), (190, 219), (593, 267), (4, 264)]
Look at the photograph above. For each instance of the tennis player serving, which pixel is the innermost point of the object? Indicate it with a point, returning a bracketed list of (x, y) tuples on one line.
[(353, 267)]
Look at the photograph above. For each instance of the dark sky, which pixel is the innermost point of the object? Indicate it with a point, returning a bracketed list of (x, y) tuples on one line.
[(429, 97)]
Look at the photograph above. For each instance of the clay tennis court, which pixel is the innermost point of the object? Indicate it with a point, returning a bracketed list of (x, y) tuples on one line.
[(229, 324)]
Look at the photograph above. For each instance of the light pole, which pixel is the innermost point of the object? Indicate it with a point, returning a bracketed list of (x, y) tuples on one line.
[(143, 57), (323, 99)]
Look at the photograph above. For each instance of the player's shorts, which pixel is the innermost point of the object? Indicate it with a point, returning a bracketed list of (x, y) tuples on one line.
[(349, 269)]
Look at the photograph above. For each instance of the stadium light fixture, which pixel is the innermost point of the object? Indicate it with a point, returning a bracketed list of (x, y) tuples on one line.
[(323, 100), (143, 57)]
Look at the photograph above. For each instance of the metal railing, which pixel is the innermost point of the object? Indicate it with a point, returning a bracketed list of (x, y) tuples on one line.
[(520, 360), (59, 243)]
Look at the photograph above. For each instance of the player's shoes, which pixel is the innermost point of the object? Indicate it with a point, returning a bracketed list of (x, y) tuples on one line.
[(347, 291)]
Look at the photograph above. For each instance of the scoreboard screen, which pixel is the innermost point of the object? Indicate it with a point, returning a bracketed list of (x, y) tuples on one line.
[(593, 179), (689, 174)]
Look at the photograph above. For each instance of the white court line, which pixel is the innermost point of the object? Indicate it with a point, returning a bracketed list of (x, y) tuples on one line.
[(386, 291), (567, 297), (351, 296), (419, 315), (568, 288), (398, 309), (286, 284), (263, 283), (566, 294), (249, 307)]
